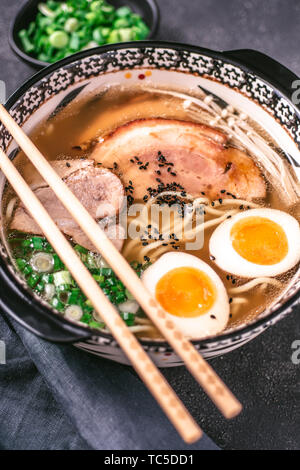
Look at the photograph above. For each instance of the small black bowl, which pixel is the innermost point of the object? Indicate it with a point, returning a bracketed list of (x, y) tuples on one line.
[(147, 9)]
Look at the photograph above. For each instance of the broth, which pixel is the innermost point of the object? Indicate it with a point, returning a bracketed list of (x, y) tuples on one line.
[(72, 134)]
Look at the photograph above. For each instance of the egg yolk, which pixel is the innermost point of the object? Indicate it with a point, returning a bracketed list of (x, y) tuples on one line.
[(185, 292), (259, 240)]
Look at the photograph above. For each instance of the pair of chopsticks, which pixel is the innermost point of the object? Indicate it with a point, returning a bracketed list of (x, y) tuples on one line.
[(148, 372)]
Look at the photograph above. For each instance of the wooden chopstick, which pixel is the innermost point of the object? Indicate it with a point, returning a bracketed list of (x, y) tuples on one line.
[(200, 369), (154, 380)]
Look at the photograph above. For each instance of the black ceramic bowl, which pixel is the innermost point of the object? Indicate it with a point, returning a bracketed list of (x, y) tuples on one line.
[(147, 9), (249, 81)]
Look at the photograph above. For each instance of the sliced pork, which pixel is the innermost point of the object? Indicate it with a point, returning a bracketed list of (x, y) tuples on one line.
[(63, 168), (99, 190), (156, 154)]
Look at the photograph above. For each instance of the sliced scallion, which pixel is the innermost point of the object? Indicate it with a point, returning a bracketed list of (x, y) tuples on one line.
[(49, 291), (42, 262), (130, 306), (62, 277), (73, 312)]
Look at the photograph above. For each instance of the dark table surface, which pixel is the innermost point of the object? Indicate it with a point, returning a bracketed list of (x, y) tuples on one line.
[(261, 373)]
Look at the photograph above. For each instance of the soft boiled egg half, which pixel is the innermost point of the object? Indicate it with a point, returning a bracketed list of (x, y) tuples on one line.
[(257, 242), (190, 292)]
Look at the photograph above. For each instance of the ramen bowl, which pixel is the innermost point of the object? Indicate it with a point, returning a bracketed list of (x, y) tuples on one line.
[(247, 81)]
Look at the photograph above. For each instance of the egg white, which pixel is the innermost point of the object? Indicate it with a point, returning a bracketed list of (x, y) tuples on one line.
[(225, 256), (203, 325)]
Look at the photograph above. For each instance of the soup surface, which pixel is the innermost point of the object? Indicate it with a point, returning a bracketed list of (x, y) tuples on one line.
[(147, 139)]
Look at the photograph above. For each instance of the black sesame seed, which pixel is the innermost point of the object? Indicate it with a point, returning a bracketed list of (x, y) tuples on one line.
[(227, 167), (68, 165), (213, 317)]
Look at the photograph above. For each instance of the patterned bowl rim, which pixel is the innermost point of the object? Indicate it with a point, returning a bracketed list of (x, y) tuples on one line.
[(280, 88)]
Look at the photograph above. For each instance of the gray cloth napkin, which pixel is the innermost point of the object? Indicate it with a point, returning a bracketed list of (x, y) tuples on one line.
[(57, 397)]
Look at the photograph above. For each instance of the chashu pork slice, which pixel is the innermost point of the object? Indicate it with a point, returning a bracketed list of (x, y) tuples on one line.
[(63, 168), (99, 190), (169, 154)]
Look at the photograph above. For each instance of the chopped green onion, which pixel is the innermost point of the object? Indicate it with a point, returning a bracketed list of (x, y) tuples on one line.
[(62, 277), (111, 281), (75, 297), (122, 23), (28, 46), (129, 318), (98, 36), (73, 312), (57, 304), (49, 291), (107, 9), (96, 324), (50, 36), (105, 32), (74, 46), (123, 11), (129, 294), (48, 278), (87, 307), (71, 25), (106, 271), (45, 10), (125, 34), (93, 260), (96, 5), (59, 39), (42, 262), (40, 286), (120, 298), (63, 287), (58, 264), (86, 318), (80, 249), (27, 269), (33, 279), (98, 278), (130, 306), (21, 263), (114, 36)]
